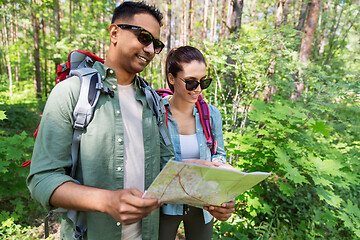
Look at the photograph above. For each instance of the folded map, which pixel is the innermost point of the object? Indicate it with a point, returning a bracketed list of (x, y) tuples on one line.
[(199, 185)]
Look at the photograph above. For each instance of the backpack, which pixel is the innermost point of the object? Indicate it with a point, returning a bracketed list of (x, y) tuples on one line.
[(80, 64), (204, 113)]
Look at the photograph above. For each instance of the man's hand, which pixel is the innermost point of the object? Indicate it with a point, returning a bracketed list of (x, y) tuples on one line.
[(127, 206), (221, 213)]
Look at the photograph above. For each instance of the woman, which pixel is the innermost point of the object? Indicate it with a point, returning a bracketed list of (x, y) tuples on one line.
[(186, 77)]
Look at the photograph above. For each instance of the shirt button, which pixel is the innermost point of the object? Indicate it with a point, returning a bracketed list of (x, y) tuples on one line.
[(111, 71), (117, 112), (118, 169), (118, 224), (113, 87), (119, 140)]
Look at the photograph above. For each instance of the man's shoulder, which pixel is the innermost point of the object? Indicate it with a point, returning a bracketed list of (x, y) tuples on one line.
[(66, 91)]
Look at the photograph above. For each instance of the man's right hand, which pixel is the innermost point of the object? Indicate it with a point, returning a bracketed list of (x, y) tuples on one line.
[(127, 206)]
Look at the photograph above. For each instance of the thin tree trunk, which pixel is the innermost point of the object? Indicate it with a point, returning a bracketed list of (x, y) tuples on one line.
[(45, 53), (230, 12), (279, 13), (70, 18), (286, 12), (331, 43), (15, 39), (191, 18), (253, 8), (102, 43), (35, 23), (302, 16), (205, 18), (213, 21), (7, 54), (168, 23), (222, 29), (307, 43), (184, 14)]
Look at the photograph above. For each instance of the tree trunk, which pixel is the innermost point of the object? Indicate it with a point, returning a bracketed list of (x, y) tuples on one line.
[(205, 18), (302, 16), (234, 15), (286, 12), (253, 8), (307, 43), (35, 23), (213, 21), (168, 23), (279, 13), (7, 54), (70, 18), (15, 39), (310, 29), (183, 38), (191, 18), (46, 79), (222, 29)]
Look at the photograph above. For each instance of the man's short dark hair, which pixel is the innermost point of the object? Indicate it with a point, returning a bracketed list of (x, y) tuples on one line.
[(127, 10)]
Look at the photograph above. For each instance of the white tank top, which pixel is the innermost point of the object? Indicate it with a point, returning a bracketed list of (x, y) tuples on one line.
[(189, 147)]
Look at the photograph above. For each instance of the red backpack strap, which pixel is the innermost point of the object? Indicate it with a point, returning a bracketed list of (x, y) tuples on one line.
[(164, 92), (204, 113)]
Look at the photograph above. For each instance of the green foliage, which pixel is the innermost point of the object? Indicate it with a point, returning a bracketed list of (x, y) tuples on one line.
[(15, 148)]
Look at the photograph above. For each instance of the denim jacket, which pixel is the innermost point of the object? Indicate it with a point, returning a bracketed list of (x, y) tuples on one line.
[(205, 153)]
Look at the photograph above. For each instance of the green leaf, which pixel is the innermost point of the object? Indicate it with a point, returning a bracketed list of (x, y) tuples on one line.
[(286, 188), (329, 197), (320, 126), (2, 115)]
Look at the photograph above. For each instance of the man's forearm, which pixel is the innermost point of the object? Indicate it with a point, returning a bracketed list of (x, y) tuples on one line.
[(74, 196)]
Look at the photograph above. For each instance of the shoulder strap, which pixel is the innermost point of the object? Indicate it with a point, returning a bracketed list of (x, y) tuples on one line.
[(156, 104), (204, 113)]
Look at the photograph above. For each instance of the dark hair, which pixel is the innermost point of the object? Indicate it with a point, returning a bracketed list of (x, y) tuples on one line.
[(177, 56), (127, 10)]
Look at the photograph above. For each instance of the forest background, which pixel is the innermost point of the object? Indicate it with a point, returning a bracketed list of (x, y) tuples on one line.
[(286, 80)]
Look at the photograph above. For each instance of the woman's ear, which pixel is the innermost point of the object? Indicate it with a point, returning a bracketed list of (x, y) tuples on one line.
[(171, 79), (113, 30)]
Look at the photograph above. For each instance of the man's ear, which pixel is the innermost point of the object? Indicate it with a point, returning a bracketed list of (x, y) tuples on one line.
[(113, 30)]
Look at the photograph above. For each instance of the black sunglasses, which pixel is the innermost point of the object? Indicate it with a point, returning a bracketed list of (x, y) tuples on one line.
[(145, 37), (193, 84)]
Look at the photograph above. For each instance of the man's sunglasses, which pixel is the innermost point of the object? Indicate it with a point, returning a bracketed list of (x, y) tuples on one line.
[(193, 84), (145, 37)]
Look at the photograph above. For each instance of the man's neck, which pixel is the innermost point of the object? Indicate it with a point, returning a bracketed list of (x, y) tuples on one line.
[(122, 77)]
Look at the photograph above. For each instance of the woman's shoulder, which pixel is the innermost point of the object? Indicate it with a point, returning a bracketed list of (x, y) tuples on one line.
[(214, 110)]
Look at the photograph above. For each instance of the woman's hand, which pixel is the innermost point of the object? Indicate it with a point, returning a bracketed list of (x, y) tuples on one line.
[(223, 212), (221, 163), (201, 162)]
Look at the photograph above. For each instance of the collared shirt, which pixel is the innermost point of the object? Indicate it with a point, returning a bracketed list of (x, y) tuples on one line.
[(205, 153), (101, 154)]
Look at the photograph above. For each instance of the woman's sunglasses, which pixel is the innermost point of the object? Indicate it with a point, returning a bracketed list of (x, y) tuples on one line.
[(193, 84), (145, 37)]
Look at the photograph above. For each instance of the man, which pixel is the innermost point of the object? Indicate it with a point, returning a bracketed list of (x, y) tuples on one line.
[(121, 149)]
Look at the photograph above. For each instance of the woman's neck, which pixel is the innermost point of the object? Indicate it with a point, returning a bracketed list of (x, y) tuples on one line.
[(179, 106)]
